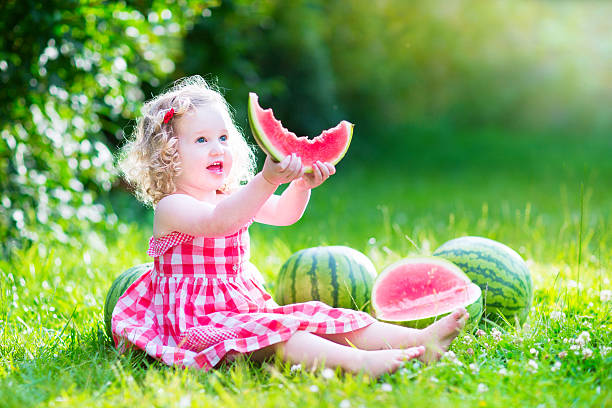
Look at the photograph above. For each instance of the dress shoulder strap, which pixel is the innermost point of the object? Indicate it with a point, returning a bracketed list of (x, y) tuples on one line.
[(158, 246)]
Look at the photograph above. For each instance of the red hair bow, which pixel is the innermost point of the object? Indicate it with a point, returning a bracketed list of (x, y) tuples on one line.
[(169, 115)]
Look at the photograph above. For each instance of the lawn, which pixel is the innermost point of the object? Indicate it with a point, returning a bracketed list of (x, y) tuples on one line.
[(547, 197)]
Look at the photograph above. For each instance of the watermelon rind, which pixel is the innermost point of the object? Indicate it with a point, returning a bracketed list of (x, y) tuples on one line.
[(118, 288), (501, 273), (268, 147), (474, 306), (336, 275)]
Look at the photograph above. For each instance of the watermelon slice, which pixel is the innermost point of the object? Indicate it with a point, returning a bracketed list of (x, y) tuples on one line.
[(417, 291), (330, 146)]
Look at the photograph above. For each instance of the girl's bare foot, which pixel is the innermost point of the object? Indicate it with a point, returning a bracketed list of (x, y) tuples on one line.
[(438, 336), (379, 362)]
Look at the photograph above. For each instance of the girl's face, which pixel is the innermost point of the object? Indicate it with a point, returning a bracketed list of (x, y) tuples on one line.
[(204, 149)]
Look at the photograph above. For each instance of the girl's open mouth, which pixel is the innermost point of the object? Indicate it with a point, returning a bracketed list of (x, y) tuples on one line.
[(216, 167)]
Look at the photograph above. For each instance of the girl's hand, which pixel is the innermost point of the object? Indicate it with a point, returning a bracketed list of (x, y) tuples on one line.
[(320, 173), (289, 169)]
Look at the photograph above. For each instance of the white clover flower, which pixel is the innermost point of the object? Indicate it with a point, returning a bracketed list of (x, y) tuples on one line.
[(557, 315), (605, 295), (451, 357), (605, 350), (386, 387), (296, 367), (555, 366), (314, 388), (474, 368), (345, 403), (534, 352), (185, 401), (587, 353), (503, 371), (328, 373), (583, 338), (480, 332), (532, 366), (563, 354), (497, 335), (574, 347), (482, 388), (467, 339)]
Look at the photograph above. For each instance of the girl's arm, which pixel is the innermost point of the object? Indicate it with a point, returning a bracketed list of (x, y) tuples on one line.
[(183, 213), (289, 207)]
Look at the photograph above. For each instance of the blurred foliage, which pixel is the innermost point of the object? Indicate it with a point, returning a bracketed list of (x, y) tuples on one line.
[(72, 74), (441, 65), (419, 74)]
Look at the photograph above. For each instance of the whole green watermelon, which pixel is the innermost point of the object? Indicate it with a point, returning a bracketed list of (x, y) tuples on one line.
[(500, 272), (336, 275), (118, 288)]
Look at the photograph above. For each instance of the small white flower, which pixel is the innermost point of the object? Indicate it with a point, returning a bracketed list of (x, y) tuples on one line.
[(497, 335), (482, 388), (328, 373), (557, 315), (587, 353), (185, 401), (572, 284), (503, 371), (574, 347), (480, 332), (314, 388), (532, 366), (345, 403), (296, 367), (467, 339), (386, 387), (434, 380), (450, 356), (474, 368), (605, 295), (556, 366), (605, 350), (583, 338), (534, 352)]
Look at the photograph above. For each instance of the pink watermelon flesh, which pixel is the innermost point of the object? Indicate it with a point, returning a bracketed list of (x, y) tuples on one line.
[(330, 146), (417, 290)]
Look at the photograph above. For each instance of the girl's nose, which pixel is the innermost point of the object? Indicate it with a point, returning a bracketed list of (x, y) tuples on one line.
[(216, 148)]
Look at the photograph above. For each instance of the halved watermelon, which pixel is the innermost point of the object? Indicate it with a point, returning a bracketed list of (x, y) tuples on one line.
[(416, 292), (330, 146)]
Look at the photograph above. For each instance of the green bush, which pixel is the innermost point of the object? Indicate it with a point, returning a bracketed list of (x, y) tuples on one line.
[(72, 74)]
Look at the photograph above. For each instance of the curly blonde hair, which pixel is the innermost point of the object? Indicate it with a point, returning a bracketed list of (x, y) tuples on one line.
[(150, 161)]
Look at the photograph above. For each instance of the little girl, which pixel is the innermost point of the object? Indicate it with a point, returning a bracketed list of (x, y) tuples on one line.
[(202, 303)]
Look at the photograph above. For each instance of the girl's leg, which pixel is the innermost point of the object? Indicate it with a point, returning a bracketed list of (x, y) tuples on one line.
[(379, 335), (313, 351)]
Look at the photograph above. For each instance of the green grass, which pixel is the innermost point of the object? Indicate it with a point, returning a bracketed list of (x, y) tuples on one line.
[(550, 200)]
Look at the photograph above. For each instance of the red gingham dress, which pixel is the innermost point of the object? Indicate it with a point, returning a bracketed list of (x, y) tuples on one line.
[(202, 300)]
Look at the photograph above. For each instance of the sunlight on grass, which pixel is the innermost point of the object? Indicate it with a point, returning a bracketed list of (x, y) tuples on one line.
[(53, 351)]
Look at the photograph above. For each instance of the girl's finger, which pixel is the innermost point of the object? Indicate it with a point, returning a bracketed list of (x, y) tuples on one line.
[(285, 163), (298, 168), (331, 168), (316, 170), (324, 170)]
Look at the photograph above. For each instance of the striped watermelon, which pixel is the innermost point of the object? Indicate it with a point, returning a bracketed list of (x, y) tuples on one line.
[(337, 275), (118, 288), (500, 272), (416, 292)]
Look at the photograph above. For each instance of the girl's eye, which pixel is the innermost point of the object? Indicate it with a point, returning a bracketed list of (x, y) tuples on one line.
[(223, 138), (201, 140)]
